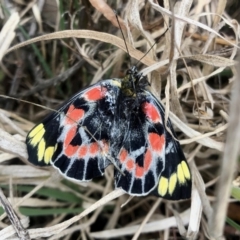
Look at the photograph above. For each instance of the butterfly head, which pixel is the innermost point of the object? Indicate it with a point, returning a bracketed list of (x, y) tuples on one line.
[(134, 82)]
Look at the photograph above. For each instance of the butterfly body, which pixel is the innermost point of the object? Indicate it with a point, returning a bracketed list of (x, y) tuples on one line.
[(119, 122)]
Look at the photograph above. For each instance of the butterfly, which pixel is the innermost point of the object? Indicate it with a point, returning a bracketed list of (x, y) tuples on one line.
[(116, 121)]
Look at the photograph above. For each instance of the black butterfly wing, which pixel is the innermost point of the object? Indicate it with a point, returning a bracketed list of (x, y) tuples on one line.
[(75, 138), (150, 158), (175, 180)]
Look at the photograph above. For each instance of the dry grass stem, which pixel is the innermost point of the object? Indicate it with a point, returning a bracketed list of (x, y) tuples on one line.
[(228, 164)]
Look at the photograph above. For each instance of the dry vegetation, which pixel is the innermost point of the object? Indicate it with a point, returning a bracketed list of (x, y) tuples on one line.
[(60, 47)]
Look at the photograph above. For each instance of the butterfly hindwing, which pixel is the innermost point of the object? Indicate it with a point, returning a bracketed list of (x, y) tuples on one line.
[(175, 180), (150, 158), (142, 155)]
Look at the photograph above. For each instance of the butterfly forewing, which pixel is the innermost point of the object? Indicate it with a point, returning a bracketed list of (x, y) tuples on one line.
[(77, 135)]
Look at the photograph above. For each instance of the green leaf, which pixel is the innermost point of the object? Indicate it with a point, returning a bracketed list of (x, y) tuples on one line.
[(236, 193), (50, 193), (54, 193), (1, 211), (71, 185), (27, 211), (232, 223)]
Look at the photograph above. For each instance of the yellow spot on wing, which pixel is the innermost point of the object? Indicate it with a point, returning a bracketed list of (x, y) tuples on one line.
[(37, 137), (163, 186), (48, 154), (34, 131), (172, 183), (180, 174), (186, 170), (41, 149)]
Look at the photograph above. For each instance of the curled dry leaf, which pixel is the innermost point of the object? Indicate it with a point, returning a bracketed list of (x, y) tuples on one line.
[(7, 33), (213, 60), (11, 145), (133, 16), (190, 21), (104, 37), (107, 12)]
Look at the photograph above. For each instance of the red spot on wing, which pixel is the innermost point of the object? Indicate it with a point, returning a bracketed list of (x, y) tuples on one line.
[(147, 160), (82, 151), (139, 171), (156, 141), (93, 149), (151, 112), (70, 135), (70, 150), (130, 164), (95, 93), (73, 115), (123, 155)]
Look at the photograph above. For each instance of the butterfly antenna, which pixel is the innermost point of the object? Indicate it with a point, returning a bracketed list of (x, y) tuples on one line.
[(124, 39), (150, 49), (145, 54)]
